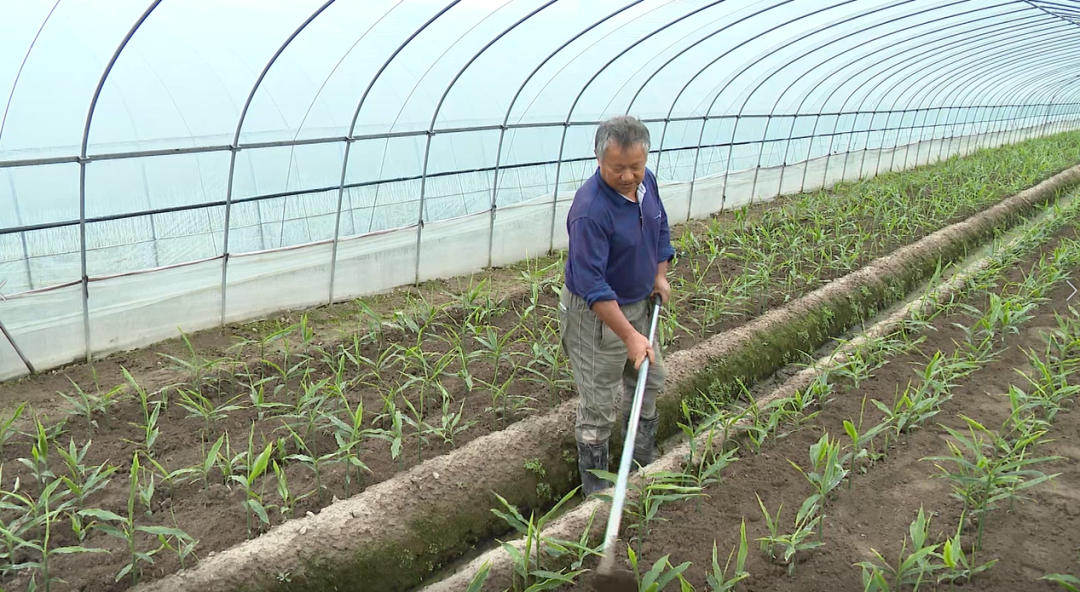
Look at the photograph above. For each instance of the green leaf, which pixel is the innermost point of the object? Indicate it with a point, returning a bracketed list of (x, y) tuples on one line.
[(102, 515), (1070, 583), (477, 583), (73, 550), (260, 464), (163, 531)]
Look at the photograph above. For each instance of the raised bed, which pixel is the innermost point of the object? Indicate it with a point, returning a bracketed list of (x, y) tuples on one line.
[(396, 532)]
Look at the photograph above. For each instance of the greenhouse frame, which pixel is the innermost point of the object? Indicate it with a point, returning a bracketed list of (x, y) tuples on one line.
[(171, 165)]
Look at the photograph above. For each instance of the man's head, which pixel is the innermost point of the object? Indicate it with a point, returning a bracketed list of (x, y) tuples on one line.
[(622, 149)]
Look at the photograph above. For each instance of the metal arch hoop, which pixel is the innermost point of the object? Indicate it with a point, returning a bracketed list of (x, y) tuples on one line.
[(352, 130), (932, 47), (892, 71), (671, 109), (776, 70), (510, 108), (435, 117), (947, 66), (585, 87), (980, 65), (85, 280), (907, 63), (806, 94), (234, 148), (18, 74)]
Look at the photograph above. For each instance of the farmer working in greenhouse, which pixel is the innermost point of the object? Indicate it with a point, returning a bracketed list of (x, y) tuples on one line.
[(620, 251)]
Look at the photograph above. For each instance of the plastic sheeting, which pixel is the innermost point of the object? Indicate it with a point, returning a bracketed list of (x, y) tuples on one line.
[(214, 161)]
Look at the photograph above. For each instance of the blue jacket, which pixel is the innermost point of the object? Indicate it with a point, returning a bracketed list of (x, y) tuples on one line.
[(616, 244)]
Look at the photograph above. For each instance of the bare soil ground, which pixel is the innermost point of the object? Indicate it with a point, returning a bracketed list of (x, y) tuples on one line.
[(1028, 540)]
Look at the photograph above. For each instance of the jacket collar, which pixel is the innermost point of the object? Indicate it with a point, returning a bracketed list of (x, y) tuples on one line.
[(614, 194)]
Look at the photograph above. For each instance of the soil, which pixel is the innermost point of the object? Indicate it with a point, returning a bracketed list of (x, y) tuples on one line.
[(1029, 540), (212, 513)]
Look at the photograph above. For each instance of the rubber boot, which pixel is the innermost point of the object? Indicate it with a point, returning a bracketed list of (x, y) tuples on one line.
[(645, 443), (592, 456)]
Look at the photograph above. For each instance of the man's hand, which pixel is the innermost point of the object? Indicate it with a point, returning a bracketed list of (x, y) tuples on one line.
[(637, 347), (663, 288)]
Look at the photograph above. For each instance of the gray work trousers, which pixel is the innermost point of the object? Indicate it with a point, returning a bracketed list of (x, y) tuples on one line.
[(602, 370)]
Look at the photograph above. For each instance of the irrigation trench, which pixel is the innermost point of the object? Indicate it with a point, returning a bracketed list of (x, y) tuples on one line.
[(396, 533)]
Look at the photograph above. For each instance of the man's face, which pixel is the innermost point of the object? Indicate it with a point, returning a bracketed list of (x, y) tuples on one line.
[(624, 169)]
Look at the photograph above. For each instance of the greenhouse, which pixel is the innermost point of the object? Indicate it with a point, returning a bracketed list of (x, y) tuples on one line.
[(190, 189)]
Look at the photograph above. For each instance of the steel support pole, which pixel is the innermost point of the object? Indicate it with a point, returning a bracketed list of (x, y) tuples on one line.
[(18, 350)]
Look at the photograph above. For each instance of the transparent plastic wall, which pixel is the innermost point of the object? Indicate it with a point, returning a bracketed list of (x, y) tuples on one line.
[(176, 165)]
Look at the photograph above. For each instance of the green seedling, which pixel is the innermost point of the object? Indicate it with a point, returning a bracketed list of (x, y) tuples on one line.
[(203, 408), (704, 466), (125, 529), (308, 457), (45, 516), (7, 426), (257, 465), (311, 411), (529, 574), (459, 351), (477, 583), (659, 576), (861, 444), (955, 564), (39, 451), (82, 481), (259, 400), (288, 500), (350, 433), (183, 547), (996, 470), (1050, 386), (150, 416), (395, 436), (211, 460), (828, 473), (782, 548), (1070, 583), (452, 423), (646, 496), (911, 569), (88, 405), (200, 369), (725, 579)]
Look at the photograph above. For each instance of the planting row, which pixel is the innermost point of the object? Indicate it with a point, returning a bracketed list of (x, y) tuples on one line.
[(874, 410), (287, 422)]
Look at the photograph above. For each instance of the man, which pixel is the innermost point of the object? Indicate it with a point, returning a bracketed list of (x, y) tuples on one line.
[(620, 251)]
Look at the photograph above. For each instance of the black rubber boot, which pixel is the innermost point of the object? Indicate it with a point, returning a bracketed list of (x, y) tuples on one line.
[(645, 443), (594, 456)]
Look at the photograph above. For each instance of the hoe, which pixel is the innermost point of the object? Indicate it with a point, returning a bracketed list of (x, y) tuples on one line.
[(607, 578)]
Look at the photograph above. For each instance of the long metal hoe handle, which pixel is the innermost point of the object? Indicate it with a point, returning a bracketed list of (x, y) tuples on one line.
[(618, 500)]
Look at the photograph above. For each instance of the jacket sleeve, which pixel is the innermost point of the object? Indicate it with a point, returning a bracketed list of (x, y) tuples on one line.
[(664, 250), (588, 256)]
